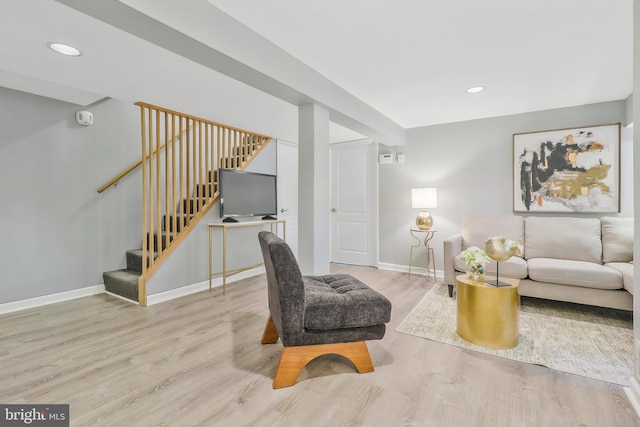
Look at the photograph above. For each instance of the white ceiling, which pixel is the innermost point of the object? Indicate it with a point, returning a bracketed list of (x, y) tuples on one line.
[(413, 59), (409, 59)]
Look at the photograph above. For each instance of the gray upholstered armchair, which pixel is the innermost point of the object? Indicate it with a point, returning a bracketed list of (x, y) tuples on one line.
[(317, 315)]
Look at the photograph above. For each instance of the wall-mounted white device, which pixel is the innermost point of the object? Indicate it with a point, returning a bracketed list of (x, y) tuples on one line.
[(386, 159), (84, 118)]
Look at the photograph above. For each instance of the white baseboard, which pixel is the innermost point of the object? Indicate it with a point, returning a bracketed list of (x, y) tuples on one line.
[(199, 287), (405, 269), (10, 307), (392, 267), (633, 394), (152, 299)]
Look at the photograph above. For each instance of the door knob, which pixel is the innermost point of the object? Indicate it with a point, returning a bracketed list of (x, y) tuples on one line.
[(333, 209), (283, 210)]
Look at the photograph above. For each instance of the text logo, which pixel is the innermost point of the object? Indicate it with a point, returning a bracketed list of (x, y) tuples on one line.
[(34, 415)]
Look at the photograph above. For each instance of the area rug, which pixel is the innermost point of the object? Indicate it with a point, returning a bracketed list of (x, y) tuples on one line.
[(590, 341)]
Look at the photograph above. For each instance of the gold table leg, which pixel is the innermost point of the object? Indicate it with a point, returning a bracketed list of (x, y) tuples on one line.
[(210, 256), (431, 260), (411, 253), (224, 261)]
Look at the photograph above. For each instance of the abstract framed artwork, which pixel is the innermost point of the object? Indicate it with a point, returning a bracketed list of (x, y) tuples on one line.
[(573, 170)]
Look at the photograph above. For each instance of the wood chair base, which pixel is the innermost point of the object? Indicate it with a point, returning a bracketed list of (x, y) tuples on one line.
[(294, 359), (270, 334)]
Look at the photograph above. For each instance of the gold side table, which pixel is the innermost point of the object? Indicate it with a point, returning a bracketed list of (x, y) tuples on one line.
[(416, 233), (488, 316)]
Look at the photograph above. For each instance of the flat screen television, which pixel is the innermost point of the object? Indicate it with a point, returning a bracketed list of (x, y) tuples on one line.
[(247, 194)]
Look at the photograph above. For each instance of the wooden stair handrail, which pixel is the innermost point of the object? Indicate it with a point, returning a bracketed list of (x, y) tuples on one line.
[(124, 173)]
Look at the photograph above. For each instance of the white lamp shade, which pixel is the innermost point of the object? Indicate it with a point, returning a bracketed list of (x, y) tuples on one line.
[(424, 198)]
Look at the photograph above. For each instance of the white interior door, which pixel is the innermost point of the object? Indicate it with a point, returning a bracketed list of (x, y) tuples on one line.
[(354, 203), (287, 170)]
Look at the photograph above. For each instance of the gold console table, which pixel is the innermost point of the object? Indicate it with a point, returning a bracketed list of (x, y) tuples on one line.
[(225, 226)]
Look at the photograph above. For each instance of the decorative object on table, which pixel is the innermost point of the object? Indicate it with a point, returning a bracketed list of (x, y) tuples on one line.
[(476, 260), (567, 170), (552, 334), (424, 198), (499, 249)]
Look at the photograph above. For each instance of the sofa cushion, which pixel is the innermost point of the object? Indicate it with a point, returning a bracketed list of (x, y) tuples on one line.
[(626, 269), (341, 301), (574, 273), (476, 229), (575, 239), (617, 239), (514, 267)]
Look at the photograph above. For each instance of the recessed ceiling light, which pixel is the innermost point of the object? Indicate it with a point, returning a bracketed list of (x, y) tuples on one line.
[(475, 89), (64, 49)]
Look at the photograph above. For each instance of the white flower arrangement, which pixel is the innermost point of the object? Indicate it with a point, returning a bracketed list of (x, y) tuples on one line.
[(475, 258)]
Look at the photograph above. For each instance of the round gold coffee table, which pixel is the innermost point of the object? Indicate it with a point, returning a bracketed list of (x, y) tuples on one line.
[(488, 316)]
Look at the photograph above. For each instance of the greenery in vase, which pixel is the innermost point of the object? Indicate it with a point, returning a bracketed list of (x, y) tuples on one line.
[(475, 258)]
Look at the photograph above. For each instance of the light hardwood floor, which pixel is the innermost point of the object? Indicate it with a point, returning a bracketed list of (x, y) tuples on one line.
[(198, 361)]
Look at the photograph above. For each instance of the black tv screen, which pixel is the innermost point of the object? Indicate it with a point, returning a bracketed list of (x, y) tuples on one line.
[(246, 194)]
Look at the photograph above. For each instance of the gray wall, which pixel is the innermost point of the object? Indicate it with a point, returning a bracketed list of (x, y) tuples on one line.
[(470, 163), (57, 232)]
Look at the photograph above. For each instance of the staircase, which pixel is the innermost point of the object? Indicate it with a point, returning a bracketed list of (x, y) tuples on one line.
[(181, 158)]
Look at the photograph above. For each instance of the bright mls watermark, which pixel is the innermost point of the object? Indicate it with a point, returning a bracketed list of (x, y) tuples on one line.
[(34, 415)]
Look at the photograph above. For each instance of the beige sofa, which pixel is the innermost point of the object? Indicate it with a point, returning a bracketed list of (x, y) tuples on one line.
[(581, 260)]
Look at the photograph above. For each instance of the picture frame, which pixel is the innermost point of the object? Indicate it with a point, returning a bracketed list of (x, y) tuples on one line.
[(571, 170)]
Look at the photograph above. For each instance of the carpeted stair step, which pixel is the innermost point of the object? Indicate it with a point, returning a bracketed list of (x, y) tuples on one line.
[(229, 163), (134, 259), (122, 282), (183, 217), (204, 190), (193, 202), (165, 238), (213, 176)]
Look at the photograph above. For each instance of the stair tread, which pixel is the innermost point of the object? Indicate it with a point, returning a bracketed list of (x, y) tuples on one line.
[(124, 273), (122, 282), (139, 252)]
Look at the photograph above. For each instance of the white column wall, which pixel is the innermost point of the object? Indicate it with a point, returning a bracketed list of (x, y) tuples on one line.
[(314, 249)]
